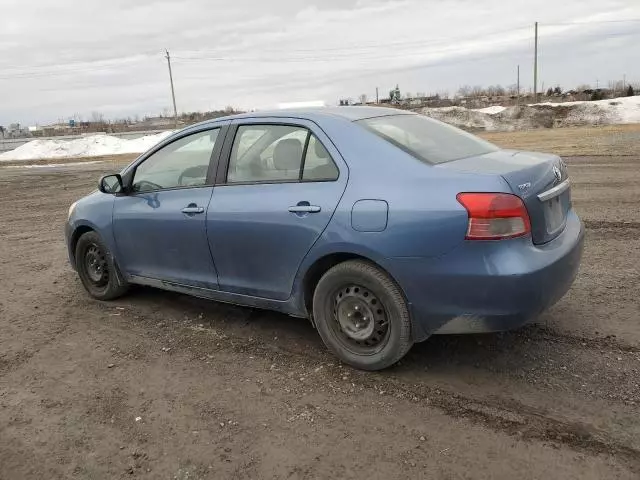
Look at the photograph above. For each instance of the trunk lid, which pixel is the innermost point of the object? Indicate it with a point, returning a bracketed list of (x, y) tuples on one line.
[(539, 179)]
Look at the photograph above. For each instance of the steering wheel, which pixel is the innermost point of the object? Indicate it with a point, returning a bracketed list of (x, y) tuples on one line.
[(146, 186), (256, 166), (199, 171)]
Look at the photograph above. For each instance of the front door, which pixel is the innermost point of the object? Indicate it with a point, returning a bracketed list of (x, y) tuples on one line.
[(160, 226), (280, 190)]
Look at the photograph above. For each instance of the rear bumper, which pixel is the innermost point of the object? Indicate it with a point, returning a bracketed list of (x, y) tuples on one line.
[(489, 286)]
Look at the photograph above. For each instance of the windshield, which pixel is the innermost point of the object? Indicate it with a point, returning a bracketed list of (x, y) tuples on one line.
[(427, 139)]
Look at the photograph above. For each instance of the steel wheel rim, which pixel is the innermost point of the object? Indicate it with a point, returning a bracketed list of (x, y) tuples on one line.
[(96, 265), (360, 320)]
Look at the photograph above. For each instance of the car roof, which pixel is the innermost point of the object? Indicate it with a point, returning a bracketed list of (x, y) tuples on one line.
[(349, 113)]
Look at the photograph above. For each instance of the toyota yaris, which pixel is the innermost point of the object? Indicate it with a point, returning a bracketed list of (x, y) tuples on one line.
[(381, 226)]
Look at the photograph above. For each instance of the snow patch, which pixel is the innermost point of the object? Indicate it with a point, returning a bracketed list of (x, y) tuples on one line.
[(616, 110), (89, 146), (541, 115), (492, 110)]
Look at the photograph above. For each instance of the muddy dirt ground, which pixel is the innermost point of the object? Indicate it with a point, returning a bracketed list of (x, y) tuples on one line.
[(160, 385)]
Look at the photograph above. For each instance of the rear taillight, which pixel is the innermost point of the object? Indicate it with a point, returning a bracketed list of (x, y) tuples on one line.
[(495, 216)]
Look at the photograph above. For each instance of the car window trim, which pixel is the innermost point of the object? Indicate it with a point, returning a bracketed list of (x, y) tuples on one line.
[(214, 160), (256, 182), (315, 180), (304, 155), (225, 154)]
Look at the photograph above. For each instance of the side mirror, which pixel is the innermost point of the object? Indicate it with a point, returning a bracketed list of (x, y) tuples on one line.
[(111, 184)]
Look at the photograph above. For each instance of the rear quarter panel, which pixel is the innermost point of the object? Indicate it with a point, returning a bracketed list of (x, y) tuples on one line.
[(424, 218)]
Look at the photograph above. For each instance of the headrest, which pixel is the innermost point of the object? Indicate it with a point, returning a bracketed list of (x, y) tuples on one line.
[(288, 154)]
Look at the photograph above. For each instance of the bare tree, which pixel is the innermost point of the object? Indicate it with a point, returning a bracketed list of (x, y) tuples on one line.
[(477, 91), (97, 117), (363, 98), (420, 94), (512, 89), (464, 91)]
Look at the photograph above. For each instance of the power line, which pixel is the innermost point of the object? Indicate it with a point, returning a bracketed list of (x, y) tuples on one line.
[(590, 22), (62, 70), (362, 52)]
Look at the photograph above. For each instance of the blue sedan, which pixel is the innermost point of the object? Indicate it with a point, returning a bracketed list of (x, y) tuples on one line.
[(380, 226)]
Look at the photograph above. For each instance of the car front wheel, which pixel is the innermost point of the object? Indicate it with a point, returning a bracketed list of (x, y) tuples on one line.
[(362, 316), (96, 268)]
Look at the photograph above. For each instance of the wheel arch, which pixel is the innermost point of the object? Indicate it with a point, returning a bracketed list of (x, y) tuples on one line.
[(73, 241), (321, 265)]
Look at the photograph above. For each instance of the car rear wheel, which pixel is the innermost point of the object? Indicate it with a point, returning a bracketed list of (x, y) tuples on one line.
[(96, 268), (362, 315)]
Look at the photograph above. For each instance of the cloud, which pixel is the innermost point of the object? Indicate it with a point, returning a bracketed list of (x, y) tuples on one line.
[(66, 57)]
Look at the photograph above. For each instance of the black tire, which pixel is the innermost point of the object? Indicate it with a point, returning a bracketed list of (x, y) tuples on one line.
[(379, 342), (97, 269)]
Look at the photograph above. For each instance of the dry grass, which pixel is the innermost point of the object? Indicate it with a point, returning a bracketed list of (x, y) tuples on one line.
[(603, 140)]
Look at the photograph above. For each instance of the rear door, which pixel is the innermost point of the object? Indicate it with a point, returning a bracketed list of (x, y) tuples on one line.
[(278, 185), (160, 225)]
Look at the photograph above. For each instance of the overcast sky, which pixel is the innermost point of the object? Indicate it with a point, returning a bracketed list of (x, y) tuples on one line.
[(67, 57)]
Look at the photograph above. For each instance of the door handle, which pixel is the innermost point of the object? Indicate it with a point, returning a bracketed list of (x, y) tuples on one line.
[(192, 209), (304, 209)]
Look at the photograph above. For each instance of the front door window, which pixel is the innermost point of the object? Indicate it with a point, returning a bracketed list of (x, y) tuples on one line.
[(181, 164)]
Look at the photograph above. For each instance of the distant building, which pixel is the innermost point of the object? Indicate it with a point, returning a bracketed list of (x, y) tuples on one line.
[(15, 130)]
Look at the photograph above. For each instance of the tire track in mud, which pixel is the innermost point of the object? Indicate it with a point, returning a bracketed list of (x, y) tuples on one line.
[(516, 419), (501, 414), (611, 225), (606, 342)]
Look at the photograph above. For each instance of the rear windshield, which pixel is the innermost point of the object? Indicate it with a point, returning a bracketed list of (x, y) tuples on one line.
[(426, 139)]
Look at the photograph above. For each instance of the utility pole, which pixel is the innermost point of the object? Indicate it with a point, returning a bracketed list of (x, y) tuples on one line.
[(535, 66), (377, 96), (518, 88), (173, 93)]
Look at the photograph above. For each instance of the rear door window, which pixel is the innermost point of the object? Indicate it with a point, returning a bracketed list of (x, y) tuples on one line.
[(278, 153), (318, 165)]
